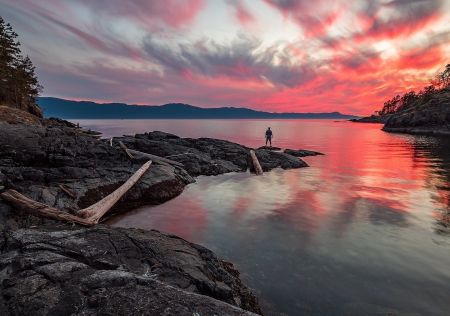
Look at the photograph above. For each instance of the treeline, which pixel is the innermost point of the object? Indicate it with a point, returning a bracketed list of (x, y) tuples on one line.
[(19, 85), (397, 103)]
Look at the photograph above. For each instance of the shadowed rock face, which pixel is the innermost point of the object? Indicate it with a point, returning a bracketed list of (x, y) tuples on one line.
[(64, 270), (35, 159)]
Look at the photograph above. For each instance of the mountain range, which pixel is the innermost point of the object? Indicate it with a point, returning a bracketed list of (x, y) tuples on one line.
[(68, 109)]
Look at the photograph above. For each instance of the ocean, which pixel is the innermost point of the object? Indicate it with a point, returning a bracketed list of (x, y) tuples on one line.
[(365, 230)]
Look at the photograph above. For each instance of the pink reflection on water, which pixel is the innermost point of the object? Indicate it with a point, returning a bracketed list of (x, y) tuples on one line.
[(362, 166)]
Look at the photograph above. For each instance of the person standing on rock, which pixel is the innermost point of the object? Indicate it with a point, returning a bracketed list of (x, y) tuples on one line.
[(269, 136)]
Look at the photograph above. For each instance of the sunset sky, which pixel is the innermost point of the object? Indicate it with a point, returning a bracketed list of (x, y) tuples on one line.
[(271, 55)]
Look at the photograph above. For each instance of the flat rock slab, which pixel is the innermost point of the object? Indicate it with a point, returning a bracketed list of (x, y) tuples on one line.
[(207, 156), (65, 270), (301, 152), (269, 148)]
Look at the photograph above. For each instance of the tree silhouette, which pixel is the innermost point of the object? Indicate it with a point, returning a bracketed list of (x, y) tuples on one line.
[(18, 82), (398, 104)]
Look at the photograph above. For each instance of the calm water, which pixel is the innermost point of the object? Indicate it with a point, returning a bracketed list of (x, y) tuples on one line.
[(360, 232)]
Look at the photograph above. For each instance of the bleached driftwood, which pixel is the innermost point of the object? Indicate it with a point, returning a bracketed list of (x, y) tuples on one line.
[(87, 217), (256, 164), (68, 191), (26, 205), (126, 150), (95, 212)]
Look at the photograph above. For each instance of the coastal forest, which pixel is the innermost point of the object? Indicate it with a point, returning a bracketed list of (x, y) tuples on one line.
[(400, 103), (19, 85)]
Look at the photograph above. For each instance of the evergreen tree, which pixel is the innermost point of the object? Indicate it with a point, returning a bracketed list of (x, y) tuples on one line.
[(18, 82)]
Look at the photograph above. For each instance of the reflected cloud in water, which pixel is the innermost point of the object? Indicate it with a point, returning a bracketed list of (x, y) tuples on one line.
[(364, 228)]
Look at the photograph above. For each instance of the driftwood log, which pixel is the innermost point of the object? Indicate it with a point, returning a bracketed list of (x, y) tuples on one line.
[(68, 191), (26, 205), (96, 211), (256, 164), (126, 150), (87, 217)]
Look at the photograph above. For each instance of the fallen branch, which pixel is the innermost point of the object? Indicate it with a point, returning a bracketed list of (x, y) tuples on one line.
[(156, 158), (256, 164), (126, 150), (87, 217), (26, 205), (95, 212), (68, 191)]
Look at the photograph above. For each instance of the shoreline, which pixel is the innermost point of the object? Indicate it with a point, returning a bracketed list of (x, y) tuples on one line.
[(38, 156), (417, 131)]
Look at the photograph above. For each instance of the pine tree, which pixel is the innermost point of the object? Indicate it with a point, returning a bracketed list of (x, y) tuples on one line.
[(19, 85)]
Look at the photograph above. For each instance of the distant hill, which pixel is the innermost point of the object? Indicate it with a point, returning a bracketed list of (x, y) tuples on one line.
[(67, 109)]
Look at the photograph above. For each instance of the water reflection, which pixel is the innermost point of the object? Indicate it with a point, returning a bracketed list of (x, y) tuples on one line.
[(436, 153), (363, 231)]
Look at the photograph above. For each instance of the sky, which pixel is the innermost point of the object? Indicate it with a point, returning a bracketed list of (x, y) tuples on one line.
[(270, 55)]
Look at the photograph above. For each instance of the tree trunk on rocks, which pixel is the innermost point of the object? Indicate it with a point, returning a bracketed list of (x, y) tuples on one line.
[(26, 205), (256, 164), (87, 217), (96, 211), (125, 149)]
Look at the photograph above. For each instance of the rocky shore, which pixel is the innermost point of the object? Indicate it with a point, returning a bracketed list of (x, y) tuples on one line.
[(377, 119), (52, 268), (429, 115)]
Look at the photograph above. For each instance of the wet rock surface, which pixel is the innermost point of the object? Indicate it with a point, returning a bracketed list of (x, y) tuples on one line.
[(301, 152), (68, 270)]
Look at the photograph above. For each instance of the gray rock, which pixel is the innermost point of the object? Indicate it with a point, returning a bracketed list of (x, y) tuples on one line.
[(205, 156), (64, 270)]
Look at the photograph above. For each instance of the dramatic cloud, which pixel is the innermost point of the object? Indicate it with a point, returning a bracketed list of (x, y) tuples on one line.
[(274, 55), (241, 11), (243, 60)]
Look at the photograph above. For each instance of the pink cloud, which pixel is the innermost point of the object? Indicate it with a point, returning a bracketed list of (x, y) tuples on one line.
[(352, 76), (241, 11), (173, 13)]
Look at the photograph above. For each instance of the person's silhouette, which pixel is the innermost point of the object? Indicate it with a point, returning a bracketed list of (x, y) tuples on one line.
[(269, 136)]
